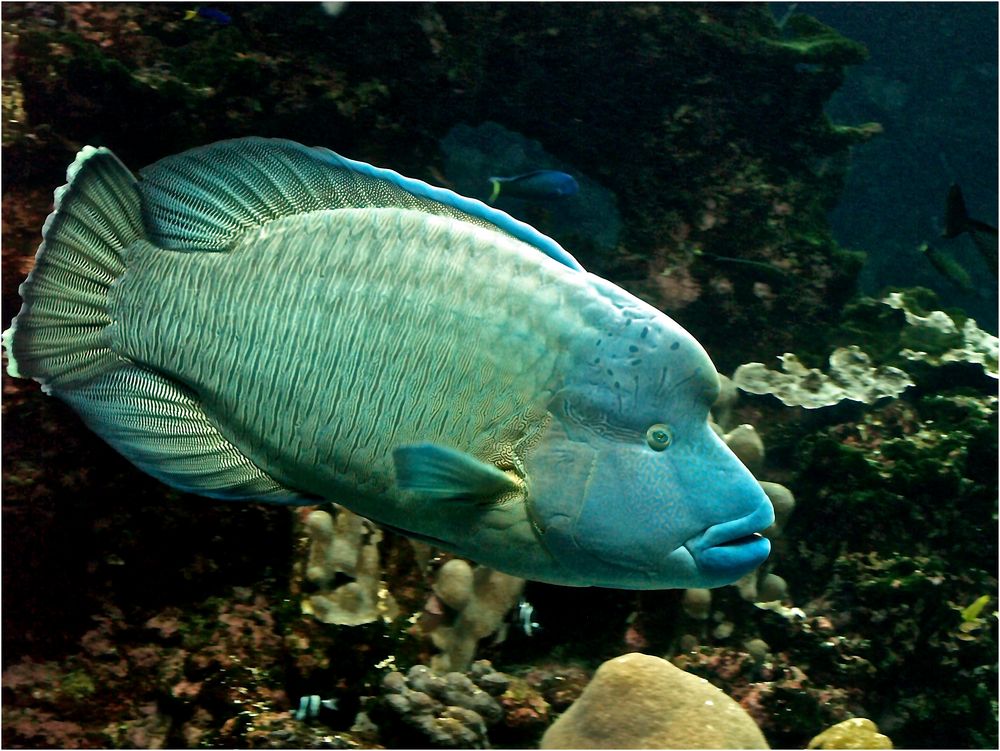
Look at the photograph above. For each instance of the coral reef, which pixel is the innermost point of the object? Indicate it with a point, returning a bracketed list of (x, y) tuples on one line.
[(640, 701), (200, 639), (176, 680), (451, 710), (885, 545), (782, 699), (696, 167)]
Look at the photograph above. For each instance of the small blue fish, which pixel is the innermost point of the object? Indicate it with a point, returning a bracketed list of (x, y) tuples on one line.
[(211, 14), (540, 185)]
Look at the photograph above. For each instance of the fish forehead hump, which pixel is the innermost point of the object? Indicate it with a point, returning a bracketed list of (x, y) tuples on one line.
[(637, 363), (321, 341)]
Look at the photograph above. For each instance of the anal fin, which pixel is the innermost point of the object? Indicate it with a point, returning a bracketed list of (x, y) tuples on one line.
[(159, 426)]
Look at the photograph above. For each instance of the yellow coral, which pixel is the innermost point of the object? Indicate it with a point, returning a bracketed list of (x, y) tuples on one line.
[(857, 733)]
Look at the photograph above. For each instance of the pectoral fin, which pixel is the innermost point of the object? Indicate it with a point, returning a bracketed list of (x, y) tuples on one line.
[(439, 472)]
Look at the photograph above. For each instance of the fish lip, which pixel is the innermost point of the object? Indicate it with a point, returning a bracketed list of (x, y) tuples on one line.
[(722, 549)]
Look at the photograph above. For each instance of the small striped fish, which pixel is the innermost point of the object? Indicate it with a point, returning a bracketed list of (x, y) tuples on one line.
[(259, 320)]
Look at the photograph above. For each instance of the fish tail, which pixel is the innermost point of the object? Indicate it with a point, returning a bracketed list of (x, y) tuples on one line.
[(956, 217), (190, 15), (60, 336), (63, 339), (496, 190)]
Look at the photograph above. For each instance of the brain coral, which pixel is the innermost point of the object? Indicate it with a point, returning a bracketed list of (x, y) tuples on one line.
[(640, 701)]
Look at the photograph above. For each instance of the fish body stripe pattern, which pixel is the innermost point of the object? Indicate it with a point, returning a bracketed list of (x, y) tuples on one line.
[(372, 328)]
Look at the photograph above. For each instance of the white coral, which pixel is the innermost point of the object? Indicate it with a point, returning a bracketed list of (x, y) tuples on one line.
[(851, 376)]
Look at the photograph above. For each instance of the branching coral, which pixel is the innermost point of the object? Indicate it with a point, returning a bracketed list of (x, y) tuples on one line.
[(476, 601), (346, 545), (744, 441), (450, 710)]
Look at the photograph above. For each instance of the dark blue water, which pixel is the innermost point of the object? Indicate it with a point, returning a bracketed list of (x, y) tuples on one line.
[(931, 81)]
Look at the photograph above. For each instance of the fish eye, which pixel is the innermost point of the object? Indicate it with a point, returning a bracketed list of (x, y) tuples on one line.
[(659, 437)]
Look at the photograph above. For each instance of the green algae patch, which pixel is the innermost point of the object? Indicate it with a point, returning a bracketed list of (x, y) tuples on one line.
[(810, 41)]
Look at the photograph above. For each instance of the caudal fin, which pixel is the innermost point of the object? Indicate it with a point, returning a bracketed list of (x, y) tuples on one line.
[(60, 338), (956, 218)]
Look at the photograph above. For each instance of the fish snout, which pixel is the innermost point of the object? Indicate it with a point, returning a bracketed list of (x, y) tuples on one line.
[(725, 552)]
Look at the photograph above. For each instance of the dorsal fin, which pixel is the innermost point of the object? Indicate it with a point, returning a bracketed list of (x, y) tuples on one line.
[(205, 198)]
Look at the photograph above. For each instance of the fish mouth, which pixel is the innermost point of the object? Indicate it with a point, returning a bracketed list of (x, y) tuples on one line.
[(733, 548)]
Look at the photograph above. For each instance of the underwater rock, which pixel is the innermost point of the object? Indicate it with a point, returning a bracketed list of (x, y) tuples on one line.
[(640, 701), (144, 683), (851, 377), (814, 43), (859, 732)]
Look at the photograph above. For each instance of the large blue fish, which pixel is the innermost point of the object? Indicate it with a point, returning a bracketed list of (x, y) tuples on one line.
[(260, 320)]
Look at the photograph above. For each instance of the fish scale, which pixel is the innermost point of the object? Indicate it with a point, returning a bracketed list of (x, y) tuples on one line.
[(367, 325)]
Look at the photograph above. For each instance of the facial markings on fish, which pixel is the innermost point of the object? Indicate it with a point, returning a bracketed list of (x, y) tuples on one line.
[(464, 369)]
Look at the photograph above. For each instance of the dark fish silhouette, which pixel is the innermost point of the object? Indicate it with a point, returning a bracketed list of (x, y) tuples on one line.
[(948, 267), (957, 221)]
